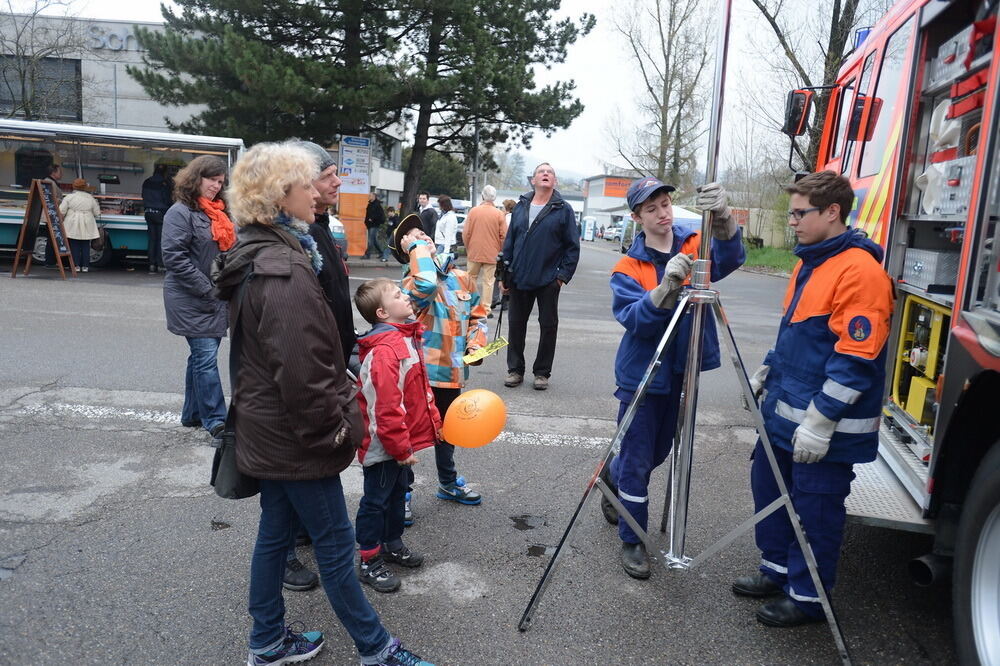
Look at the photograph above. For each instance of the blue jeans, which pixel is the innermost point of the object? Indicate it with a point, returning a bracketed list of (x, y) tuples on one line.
[(203, 398), (380, 514), (322, 510), (375, 244)]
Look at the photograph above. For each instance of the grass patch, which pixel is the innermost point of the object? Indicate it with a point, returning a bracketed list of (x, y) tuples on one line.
[(774, 258)]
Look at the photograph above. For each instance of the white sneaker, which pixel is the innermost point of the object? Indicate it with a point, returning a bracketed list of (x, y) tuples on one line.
[(85, 269)]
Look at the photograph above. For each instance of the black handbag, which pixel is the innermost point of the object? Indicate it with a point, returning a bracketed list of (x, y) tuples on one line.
[(227, 479)]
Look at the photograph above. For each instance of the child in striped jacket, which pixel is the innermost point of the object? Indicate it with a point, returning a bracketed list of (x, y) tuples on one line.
[(447, 303)]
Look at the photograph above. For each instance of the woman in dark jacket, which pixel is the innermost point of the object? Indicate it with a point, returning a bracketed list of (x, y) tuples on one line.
[(297, 421), (195, 230)]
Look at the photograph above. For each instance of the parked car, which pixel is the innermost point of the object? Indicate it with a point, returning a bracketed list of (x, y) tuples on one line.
[(614, 233)]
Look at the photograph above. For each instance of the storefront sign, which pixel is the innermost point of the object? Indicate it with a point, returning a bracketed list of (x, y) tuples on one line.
[(112, 40), (355, 165)]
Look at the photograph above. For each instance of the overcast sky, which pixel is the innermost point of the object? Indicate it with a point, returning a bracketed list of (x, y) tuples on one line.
[(606, 78)]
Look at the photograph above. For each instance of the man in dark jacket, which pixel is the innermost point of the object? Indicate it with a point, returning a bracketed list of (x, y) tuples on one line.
[(333, 276), (428, 216), (156, 199), (542, 248), (374, 219)]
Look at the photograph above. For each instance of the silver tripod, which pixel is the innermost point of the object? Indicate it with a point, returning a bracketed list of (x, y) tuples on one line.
[(701, 298)]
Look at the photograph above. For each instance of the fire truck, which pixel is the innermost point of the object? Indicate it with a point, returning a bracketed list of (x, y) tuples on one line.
[(914, 122)]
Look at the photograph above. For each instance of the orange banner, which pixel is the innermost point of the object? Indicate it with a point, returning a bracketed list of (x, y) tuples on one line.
[(352, 215), (616, 187)]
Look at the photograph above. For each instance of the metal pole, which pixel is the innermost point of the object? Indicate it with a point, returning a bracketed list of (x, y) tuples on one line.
[(701, 298)]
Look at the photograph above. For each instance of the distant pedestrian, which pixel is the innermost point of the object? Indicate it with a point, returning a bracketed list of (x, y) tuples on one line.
[(540, 265), (54, 174), (298, 423), (195, 230), (374, 219), (156, 199), (508, 208), (80, 212), (428, 216), (446, 231), (483, 236)]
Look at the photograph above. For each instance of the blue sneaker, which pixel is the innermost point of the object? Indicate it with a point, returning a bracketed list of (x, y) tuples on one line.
[(407, 510), (460, 494), (297, 647), (400, 656)]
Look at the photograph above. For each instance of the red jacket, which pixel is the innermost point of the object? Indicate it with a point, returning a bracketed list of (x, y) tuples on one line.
[(395, 397)]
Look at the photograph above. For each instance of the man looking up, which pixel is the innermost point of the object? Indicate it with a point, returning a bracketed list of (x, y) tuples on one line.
[(543, 247)]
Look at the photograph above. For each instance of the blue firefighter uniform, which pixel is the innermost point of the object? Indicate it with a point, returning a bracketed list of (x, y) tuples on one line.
[(649, 437), (831, 351)]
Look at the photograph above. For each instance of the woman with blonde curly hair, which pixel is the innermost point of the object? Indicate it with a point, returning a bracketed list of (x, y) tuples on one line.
[(297, 422)]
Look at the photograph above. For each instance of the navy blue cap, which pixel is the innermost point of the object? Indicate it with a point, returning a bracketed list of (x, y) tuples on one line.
[(643, 188)]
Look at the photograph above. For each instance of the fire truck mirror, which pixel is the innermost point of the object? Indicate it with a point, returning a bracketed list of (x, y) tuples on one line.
[(797, 108)]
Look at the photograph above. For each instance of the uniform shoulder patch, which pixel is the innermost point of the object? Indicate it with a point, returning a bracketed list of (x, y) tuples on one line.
[(859, 328)]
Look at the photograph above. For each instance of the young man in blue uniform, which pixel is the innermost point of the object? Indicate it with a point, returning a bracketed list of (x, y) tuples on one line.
[(821, 396), (645, 286)]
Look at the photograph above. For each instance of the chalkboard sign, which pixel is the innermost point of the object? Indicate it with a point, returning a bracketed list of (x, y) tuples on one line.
[(41, 208)]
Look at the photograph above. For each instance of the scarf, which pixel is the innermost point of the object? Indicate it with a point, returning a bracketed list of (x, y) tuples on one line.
[(300, 230), (223, 231)]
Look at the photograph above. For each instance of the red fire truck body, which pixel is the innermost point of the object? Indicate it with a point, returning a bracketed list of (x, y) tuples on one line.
[(914, 123)]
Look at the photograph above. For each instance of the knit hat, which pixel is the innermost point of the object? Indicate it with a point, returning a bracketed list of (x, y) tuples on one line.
[(320, 154)]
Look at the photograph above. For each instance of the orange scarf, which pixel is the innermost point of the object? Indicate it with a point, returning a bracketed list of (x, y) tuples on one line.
[(223, 231)]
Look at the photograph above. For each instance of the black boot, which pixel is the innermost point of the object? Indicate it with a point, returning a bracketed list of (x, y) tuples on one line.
[(607, 508), (298, 578), (758, 585), (635, 561), (784, 614)]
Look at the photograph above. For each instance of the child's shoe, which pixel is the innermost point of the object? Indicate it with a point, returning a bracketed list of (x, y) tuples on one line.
[(400, 656), (402, 556), (297, 647), (407, 510), (459, 493), (375, 573)]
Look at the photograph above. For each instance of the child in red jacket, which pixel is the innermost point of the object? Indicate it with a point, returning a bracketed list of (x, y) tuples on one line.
[(400, 419)]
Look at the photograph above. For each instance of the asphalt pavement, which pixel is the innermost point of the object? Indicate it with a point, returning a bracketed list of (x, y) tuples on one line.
[(114, 549)]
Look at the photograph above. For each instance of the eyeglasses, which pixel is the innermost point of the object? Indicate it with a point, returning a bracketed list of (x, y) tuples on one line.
[(799, 213)]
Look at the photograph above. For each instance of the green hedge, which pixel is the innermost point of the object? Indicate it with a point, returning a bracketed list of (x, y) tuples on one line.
[(772, 257)]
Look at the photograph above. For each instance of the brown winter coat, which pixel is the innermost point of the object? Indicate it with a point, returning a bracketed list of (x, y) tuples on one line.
[(293, 395)]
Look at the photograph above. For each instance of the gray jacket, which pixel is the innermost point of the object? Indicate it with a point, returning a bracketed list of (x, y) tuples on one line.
[(188, 251)]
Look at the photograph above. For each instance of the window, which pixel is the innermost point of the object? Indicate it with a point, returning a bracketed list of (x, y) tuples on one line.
[(888, 100), (41, 88), (843, 113), (854, 119)]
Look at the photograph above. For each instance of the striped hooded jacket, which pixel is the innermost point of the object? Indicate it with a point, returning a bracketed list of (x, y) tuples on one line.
[(447, 304), (831, 346), (395, 399)]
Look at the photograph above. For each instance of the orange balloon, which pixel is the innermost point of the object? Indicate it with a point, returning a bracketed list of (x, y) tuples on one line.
[(475, 419)]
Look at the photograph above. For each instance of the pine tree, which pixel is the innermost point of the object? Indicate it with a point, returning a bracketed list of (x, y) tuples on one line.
[(471, 65), (272, 69)]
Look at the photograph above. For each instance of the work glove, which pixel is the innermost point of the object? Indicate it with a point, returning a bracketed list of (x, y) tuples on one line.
[(757, 380), (713, 197), (664, 295), (811, 440)]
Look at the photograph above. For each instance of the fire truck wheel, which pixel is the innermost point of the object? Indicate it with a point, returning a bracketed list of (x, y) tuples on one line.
[(101, 258), (976, 593)]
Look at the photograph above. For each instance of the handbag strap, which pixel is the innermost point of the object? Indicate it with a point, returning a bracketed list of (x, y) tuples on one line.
[(236, 347)]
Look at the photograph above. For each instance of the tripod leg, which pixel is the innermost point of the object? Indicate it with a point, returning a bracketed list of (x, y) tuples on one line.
[(623, 426), (800, 535), (667, 495)]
